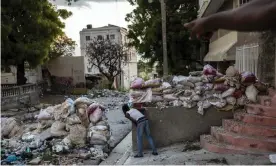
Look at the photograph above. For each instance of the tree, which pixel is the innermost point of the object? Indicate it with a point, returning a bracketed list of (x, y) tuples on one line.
[(145, 31), (144, 69), (28, 29), (62, 46), (108, 57)]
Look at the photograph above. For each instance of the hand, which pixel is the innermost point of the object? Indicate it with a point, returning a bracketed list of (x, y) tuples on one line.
[(199, 28)]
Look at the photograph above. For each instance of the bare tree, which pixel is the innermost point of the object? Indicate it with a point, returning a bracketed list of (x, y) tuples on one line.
[(108, 57)]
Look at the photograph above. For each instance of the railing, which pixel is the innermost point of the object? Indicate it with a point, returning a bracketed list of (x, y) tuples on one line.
[(203, 8), (18, 90)]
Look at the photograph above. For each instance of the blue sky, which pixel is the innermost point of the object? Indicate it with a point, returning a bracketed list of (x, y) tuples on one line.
[(96, 13)]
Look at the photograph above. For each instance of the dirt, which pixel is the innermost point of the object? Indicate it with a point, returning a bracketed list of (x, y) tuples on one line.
[(190, 146)]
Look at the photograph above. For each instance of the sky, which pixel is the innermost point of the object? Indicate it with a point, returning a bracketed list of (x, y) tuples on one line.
[(95, 12)]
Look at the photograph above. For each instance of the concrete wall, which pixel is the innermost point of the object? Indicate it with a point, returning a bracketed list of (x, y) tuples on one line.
[(178, 124), (68, 67)]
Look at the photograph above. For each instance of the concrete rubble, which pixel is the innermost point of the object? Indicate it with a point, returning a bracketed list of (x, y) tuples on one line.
[(71, 132)]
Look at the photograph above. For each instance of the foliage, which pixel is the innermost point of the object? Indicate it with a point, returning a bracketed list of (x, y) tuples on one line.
[(28, 29), (62, 46), (144, 69), (106, 56), (145, 31)]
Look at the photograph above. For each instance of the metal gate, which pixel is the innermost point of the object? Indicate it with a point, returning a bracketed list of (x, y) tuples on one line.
[(247, 58)]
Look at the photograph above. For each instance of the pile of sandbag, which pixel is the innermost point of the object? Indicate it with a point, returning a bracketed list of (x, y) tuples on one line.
[(78, 123), (202, 89)]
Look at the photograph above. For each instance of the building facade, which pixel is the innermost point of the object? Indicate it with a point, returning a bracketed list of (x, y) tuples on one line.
[(118, 35), (245, 50)]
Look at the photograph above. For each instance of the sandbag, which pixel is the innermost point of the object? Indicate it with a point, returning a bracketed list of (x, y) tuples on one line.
[(103, 123), (147, 97), (199, 84), (231, 71), (82, 114), (152, 83), (58, 129), (195, 73), (61, 111), (231, 100), (248, 78), (96, 115), (227, 93), (251, 93), (242, 100), (220, 80), (261, 87), (189, 104), (208, 86), (72, 106), (169, 91), (220, 104), (83, 100), (209, 70), (137, 83), (196, 98), (177, 103), (169, 97), (77, 135), (156, 98), (9, 127), (73, 119), (44, 124), (43, 115), (93, 107), (221, 87), (166, 85), (98, 139), (238, 93), (160, 89), (193, 79), (199, 90)]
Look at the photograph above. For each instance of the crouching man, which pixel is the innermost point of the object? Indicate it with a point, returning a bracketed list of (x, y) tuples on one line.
[(142, 124)]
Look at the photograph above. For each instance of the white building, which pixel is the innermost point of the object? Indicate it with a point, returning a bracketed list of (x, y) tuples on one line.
[(118, 35)]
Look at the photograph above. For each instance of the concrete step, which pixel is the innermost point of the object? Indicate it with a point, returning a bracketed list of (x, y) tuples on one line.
[(264, 100), (257, 109), (255, 119), (266, 144), (248, 129), (209, 143)]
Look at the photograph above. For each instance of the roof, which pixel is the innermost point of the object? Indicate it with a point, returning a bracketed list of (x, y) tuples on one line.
[(104, 27)]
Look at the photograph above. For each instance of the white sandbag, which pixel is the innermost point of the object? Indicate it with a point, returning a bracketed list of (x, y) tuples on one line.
[(58, 129), (208, 86), (189, 84), (187, 99), (220, 104), (61, 111), (231, 100), (77, 135), (96, 115), (98, 139), (231, 71), (166, 85), (73, 119), (97, 154), (177, 103), (188, 93), (43, 115), (136, 93), (99, 128), (103, 123), (193, 79), (199, 84), (251, 93), (83, 100), (242, 100), (199, 90), (205, 104), (169, 97), (189, 104), (9, 127), (157, 98), (147, 97), (227, 93), (196, 98), (168, 91)]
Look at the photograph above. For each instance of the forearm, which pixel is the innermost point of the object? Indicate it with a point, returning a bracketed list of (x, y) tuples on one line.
[(257, 15)]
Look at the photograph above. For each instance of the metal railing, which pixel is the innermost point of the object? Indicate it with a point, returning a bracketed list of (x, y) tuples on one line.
[(18, 90)]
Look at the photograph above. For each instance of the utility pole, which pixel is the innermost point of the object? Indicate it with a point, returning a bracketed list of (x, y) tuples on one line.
[(164, 36)]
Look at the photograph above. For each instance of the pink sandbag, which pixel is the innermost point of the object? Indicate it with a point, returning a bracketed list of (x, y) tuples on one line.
[(221, 87), (248, 77), (137, 83), (96, 116), (209, 70), (91, 109)]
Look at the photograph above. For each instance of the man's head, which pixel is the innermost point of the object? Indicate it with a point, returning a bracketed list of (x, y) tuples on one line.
[(125, 108)]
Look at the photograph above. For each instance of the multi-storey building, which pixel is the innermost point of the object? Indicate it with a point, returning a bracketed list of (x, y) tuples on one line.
[(118, 35)]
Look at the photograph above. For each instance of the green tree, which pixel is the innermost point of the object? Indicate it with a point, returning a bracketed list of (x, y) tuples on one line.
[(29, 27), (62, 46), (145, 30), (144, 69), (108, 57)]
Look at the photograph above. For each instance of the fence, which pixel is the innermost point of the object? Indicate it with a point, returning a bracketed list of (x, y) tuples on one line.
[(247, 58), (19, 96)]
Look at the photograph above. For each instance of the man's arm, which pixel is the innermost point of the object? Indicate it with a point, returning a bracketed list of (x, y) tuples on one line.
[(257, 15)]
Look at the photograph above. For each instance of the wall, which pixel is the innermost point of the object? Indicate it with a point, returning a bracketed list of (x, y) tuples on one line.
[(178, 124), (68, 67)]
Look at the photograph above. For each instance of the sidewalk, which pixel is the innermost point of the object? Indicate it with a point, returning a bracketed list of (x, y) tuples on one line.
[(174, 155)]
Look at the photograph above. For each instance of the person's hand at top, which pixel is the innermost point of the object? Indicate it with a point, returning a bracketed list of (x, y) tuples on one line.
[(200, 28)]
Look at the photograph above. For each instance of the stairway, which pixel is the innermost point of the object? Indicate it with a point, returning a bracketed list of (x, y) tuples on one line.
[(250, 132)]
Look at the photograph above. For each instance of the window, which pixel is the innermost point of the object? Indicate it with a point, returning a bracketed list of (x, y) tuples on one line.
[(100, 37), (87, 38), (244, 1), (107, 37), (112, 37)]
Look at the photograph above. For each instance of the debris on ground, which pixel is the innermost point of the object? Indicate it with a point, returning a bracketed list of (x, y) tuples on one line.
[(190, 146)]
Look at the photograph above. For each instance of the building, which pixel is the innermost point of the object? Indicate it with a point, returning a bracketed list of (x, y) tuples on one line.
[(245, 50), (118, 35)]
